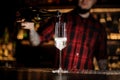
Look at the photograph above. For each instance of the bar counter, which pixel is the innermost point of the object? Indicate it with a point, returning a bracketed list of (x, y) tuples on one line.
[(47, 74)]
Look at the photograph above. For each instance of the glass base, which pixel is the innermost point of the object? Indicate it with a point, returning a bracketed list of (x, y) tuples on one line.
[(60, 70)]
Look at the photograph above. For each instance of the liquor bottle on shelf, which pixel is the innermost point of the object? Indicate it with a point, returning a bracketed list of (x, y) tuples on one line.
[(115, 25), (119, 25), (7, 49), (6, 35)]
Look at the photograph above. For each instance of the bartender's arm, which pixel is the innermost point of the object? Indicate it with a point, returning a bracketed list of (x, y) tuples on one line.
[(34, 36)]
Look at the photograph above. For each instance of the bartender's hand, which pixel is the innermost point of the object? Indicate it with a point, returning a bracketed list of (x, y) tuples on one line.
[(28, 25)]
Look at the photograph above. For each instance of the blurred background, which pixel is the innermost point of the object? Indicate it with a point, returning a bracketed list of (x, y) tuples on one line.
[(15, 48)]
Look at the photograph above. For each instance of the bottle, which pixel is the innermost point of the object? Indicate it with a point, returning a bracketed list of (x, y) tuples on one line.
[(119, 25), (6, 36)]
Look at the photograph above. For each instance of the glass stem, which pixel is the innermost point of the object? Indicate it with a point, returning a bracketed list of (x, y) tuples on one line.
[(60, 60)]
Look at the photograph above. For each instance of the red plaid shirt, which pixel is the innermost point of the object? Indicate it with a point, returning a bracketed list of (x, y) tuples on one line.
[(86, 38)]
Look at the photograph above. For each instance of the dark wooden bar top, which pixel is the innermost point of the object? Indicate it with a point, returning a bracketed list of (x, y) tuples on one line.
[(47, 74)]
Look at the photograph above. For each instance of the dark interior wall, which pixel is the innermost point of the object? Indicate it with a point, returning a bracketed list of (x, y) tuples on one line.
[(7, 13)]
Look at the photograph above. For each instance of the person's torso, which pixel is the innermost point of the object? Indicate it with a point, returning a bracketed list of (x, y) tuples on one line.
[(82, 36)]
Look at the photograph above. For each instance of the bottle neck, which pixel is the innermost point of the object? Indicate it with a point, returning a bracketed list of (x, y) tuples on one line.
[(6, 35)]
